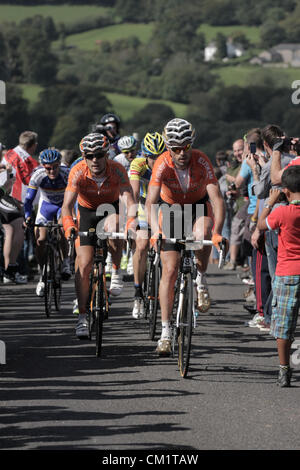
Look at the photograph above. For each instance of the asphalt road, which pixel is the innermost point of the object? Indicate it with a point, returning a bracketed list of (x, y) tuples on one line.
[(56, 395)]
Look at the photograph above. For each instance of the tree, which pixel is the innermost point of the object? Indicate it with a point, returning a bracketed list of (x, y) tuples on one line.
[(14, 116), (272, 34), (151, 118), (65, 113), (39, 65)]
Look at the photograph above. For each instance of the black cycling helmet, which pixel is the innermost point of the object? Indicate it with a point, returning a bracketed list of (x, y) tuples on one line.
[(110, 117)]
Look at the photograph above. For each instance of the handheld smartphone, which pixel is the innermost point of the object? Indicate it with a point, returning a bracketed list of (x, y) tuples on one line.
[(252, 147)]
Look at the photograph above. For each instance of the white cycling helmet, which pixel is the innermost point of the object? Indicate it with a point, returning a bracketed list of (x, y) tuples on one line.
[(94, 142), (127, 143), (178, 132)]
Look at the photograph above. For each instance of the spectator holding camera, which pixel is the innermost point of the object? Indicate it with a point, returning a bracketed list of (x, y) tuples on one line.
[(286, 283), (288, 145)]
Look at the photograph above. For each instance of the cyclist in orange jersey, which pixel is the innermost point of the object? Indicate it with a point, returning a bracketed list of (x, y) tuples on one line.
[(184, 178), (96, 183)]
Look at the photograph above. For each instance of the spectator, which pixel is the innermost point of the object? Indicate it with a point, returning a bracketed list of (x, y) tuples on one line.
[(241, 204), (286, 284), (261, 188), (68, 157), (11, 218), (22, 162), (221, 161)]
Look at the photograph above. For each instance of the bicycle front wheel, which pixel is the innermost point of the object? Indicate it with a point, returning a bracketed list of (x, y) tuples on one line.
[(154, 299), (99, 314), (57, 280), (48, 277), (185, 326)]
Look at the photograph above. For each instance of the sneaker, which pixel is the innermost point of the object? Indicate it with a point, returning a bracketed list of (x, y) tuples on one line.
[(124, 262), (203, 299), (40, 288), (66, 272), (7, 279), (82, 330), (284, 377), (248, 281), (108, 266), (230, 266), (130, 265), (255, 320), (21, 279), (75, 307), (138, 308), (164, 347), (116, 284), (203, 303), (263, 326)]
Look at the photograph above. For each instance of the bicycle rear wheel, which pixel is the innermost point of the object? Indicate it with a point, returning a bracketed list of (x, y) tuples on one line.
[(48, 277), (57, 280), (185, 326), (154, 298)]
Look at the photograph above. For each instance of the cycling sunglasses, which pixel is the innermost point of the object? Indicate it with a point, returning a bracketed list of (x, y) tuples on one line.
[(52, 167), (177, 150), (98, 155)]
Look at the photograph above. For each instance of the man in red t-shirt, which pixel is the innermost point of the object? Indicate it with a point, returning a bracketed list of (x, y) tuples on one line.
[(286, 285), (184, 177), (22, 163)]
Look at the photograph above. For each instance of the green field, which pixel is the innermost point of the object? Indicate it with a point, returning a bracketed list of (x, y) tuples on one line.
[(246, 75), (252, 33), (125, 106), (60, 13), (87, 40)]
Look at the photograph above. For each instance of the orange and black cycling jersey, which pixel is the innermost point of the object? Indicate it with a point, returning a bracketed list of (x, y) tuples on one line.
[(200, 174), (90, 192)]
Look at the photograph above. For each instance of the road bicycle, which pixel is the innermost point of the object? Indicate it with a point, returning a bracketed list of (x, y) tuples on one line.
[(151, 288), (98, 303), (184, 313), (51, 274)]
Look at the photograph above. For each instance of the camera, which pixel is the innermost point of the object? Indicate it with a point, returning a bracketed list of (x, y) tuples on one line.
[(252, 147), (283, 145), (232, 187)]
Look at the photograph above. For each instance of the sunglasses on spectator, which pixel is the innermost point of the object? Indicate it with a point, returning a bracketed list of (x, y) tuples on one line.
[(177, 150), (52, 167), (98, 155)]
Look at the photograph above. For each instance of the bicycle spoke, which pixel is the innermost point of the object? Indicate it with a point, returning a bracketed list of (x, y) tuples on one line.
[(185, 326)]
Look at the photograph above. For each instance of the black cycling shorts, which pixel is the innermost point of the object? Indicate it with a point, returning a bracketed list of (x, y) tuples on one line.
[(179, 224), (88, 219)]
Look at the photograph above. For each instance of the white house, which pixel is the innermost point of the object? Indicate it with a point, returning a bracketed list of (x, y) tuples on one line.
[(233, 50)]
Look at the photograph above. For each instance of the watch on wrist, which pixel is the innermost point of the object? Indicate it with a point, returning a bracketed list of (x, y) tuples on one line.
[(268, 206)]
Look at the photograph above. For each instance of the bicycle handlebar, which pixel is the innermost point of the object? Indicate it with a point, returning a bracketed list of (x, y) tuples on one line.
[(102, 235), (193, 244)]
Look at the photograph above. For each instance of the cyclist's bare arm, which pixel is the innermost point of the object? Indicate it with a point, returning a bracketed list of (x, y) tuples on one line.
[(68, 204), (135, 184), (218, 205), (127, 198), (152, 199)]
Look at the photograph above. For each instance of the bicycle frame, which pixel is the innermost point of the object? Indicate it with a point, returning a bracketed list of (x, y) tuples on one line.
[(98, 300)]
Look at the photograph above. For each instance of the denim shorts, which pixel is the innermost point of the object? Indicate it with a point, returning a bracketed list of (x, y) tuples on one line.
[(285, 306)]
